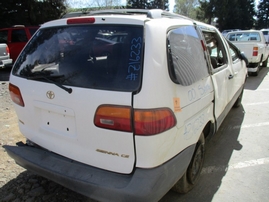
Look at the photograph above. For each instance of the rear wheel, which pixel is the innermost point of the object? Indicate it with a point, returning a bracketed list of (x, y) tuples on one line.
[(264, 64), (192, 174)]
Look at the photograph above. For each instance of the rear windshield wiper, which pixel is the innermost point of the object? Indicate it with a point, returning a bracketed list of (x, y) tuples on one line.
[(47, 78)]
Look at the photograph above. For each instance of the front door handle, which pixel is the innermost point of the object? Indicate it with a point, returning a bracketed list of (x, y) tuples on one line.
[(231, 76)]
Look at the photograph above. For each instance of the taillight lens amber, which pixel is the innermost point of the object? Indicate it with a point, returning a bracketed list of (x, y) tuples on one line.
[(141, 121), (113, 117), (15, 95), (255, 51)]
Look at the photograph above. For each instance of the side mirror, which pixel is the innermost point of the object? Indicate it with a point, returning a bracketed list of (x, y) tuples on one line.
[(243, 57)]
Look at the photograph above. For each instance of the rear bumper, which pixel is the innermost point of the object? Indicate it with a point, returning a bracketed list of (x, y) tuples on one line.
[(5, 63), (253, 67), (141, 185)]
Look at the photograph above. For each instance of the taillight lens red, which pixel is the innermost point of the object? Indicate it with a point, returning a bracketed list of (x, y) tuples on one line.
[(7, 50), (255, 51), (153, 121), (80, 20), (142, 121), (15, 94)]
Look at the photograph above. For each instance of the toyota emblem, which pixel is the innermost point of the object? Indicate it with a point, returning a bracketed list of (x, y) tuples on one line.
[(50, 94)]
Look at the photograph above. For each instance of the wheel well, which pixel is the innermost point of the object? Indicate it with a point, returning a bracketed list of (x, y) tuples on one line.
[(209, 130)]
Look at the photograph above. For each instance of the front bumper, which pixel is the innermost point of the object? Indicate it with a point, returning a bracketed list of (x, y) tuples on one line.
[(140, 185)]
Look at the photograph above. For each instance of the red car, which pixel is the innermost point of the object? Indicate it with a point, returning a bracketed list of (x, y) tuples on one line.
[(16, 38)]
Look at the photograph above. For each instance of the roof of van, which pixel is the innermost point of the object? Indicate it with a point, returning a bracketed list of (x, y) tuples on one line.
[(150, 13)]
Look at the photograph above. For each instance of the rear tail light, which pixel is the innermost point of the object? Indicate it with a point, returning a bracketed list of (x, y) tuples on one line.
[(80, 20), (113, 117), (255, 51), (141, 121), (15, 95), (153, 121), (7, 50)]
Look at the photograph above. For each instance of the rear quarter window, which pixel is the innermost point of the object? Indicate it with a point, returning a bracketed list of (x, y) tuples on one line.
[(79, 56), (187, 63), (244, 36)]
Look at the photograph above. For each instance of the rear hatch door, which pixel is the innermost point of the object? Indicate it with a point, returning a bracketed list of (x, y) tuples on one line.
[(65, 74)]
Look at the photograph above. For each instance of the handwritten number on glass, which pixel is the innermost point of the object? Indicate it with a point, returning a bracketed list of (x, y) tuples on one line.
[(134, 59)]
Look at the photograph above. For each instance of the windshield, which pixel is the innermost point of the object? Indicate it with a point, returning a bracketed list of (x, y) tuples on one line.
[(105, 57)]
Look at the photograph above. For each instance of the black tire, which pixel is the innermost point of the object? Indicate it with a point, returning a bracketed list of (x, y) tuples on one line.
[(238, 102), (192, 174), (264, 64)]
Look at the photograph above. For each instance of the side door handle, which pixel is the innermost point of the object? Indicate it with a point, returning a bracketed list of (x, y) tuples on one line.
[(230, 76)]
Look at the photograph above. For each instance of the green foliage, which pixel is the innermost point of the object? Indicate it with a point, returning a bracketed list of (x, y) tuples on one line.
[(230, 14), (263, 14), (30, 12), (187, 8), (148, 4)]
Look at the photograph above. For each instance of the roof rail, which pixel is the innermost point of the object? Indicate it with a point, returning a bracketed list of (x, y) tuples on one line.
[(18, 26), (150, 13)]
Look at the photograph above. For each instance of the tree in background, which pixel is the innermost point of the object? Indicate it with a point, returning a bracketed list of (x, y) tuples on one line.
[(94, 4), (148, 4), (30, 12), (230, 14), (263, 14), (206, 11), (187, 8)]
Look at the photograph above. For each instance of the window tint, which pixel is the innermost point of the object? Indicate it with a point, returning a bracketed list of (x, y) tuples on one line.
[(80, 56), (3, 36), (187, 63), (18, 35)]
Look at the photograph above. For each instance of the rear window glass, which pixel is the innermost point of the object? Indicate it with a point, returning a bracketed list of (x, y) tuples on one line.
[(244, 36), (187, 63), (18, 35), (85, 56), (3, 36)]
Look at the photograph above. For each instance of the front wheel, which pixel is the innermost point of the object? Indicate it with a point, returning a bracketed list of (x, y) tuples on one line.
[(192, 174)]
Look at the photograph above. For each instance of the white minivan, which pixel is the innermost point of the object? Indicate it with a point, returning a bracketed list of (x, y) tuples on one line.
[(123, 120)]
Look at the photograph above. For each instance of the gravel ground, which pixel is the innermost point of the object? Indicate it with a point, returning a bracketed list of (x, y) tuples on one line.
[(16, 183)]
